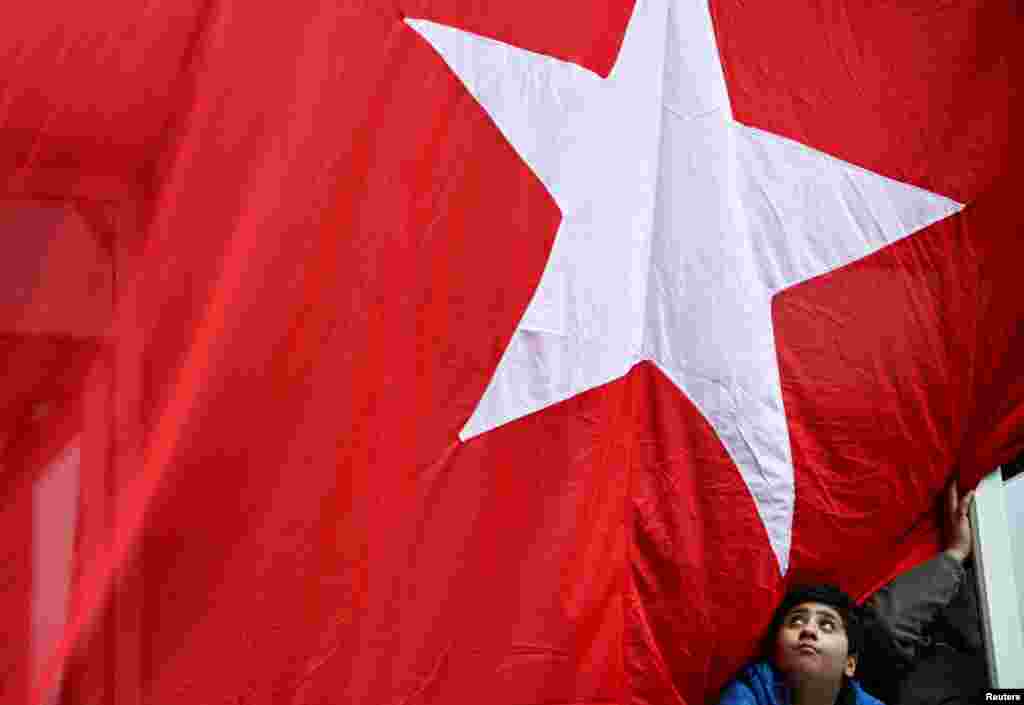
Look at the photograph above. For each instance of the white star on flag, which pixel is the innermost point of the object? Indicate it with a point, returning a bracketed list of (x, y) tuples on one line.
[(678, 226)]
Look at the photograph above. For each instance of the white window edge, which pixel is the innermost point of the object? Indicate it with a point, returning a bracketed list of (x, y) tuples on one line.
[(997, 584)]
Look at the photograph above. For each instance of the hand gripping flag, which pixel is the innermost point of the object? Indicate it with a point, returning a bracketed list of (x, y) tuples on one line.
[(441, 352)]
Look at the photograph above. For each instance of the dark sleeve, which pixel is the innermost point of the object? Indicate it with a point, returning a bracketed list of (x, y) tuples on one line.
[(913, 599)]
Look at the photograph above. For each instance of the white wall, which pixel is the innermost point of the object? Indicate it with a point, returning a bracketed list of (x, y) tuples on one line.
[(1015, 518), (997, 583)]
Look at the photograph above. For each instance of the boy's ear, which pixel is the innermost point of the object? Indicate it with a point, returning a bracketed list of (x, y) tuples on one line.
[(851, 665)]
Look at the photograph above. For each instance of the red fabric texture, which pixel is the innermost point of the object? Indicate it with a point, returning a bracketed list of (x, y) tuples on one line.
[(319, 245)]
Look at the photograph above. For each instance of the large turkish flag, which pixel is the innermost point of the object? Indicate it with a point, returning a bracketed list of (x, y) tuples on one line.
[(321, 246)]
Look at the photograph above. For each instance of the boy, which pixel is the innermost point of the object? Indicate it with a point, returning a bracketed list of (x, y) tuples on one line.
[(818, 634), (812, 648)]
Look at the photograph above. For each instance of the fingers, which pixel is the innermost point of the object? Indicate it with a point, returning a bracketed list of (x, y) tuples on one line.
[(965, 503), (951, 499)]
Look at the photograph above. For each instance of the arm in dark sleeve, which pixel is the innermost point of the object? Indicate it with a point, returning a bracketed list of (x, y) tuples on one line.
[(913, 599)]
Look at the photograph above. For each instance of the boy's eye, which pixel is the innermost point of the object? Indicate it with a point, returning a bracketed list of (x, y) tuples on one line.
[(828, 625)]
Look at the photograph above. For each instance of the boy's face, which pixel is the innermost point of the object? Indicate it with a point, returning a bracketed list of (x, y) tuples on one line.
[(812, 643)]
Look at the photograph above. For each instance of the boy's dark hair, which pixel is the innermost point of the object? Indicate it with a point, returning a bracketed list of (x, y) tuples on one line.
[(826, 595)]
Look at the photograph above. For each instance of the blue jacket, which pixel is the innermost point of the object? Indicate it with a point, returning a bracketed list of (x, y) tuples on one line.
[(761, 684)]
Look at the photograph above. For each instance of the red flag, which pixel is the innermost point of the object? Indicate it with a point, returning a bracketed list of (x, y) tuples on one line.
[(325, 246)]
